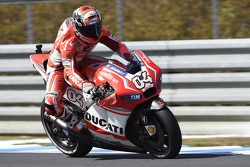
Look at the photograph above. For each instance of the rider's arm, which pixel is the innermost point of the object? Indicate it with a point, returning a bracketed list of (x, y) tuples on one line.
[(71, 73), (115, 44)]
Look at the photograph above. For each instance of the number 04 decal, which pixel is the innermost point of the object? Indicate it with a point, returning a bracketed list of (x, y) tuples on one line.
[(142, 80)]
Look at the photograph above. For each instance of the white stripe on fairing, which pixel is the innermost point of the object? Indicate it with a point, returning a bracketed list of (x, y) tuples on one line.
[(125, 81), (118, 111), (110, 138), (152, 69), (41, 71), (121, 110)]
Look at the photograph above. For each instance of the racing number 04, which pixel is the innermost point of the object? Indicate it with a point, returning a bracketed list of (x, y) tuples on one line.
[(140, 81)]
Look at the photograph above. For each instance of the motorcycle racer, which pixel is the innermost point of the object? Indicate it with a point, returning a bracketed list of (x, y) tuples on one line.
[(76, 38)]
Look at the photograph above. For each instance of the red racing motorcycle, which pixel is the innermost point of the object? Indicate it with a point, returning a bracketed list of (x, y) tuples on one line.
[(130, 117)]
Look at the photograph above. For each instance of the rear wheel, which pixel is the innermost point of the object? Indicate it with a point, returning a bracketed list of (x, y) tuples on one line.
[(65, 141), (166, 143)]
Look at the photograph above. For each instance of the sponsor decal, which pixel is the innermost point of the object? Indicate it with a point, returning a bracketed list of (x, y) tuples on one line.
[(116, 69), (103, 123), (75, 80), (142, 80), (109, 76), (75, 97), (151, 130), (131, 97)]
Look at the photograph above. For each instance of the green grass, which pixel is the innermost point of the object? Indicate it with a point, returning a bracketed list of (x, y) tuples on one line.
[(227, 141), (20, 137), (41, 144)]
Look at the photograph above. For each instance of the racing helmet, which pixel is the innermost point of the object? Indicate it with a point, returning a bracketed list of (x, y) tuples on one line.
[(87, 23)]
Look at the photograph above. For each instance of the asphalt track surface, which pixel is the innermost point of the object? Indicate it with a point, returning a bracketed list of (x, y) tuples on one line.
[(121, 160), (17, 153)]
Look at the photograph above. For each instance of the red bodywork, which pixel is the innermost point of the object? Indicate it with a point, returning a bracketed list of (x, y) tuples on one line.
[(131, 90), (101, 70), (127, 96)]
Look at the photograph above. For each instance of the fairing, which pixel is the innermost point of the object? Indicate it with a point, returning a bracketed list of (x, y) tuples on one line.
[(107, 118), (132, 89), (39, 63)]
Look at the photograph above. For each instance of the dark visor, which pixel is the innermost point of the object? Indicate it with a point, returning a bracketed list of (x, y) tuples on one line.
[(91, 31)]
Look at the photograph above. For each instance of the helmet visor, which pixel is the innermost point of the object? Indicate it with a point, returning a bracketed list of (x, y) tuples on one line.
[(91, 31)]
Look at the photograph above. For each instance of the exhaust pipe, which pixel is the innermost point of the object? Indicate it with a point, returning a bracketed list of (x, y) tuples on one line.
[(56, 120), (85, 134)]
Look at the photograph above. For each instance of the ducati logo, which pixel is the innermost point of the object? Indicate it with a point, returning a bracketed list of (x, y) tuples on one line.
[(103, 123)]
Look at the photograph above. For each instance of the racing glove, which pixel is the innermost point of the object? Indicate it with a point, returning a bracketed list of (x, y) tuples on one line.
[(98, 92)]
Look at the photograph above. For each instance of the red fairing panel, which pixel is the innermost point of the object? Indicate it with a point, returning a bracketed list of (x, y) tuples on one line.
[(130, 89), (38, 61)]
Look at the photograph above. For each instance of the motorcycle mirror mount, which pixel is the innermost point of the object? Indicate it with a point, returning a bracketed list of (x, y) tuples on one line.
[(39, 48)]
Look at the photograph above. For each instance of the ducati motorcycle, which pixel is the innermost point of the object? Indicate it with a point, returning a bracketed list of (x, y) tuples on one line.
[(130, 117)]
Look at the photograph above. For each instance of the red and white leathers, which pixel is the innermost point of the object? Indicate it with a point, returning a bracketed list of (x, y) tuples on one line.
[(65, 57)]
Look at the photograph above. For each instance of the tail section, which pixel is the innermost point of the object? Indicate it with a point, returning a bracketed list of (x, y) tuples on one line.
[(39, 62)]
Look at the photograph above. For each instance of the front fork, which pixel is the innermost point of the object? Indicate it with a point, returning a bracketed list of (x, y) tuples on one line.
[(150, 129)]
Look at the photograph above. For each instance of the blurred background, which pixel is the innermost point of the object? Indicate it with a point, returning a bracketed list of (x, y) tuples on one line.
[(131, 20), (202, 47)]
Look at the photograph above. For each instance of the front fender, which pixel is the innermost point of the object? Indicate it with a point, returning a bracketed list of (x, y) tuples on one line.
[(133, 126), (157, 104)]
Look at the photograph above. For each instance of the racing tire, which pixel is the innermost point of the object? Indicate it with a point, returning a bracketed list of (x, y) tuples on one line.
[(170, 131), (64, 140)]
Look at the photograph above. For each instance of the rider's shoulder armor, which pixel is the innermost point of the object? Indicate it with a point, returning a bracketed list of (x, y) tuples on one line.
[(66, 27)]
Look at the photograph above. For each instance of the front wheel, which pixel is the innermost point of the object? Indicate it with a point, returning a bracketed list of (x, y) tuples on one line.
[(168, 135), (64, 140)]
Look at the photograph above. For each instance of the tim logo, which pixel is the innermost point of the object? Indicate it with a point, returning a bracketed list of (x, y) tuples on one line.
[(131, 97)]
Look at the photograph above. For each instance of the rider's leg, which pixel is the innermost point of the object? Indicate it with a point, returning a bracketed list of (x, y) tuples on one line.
[(55, 90)]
